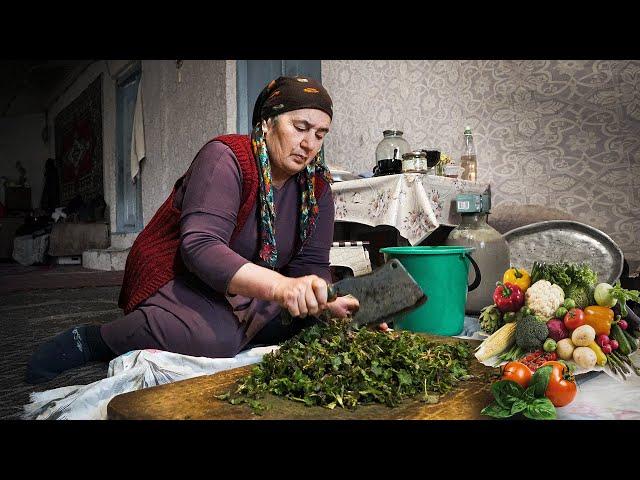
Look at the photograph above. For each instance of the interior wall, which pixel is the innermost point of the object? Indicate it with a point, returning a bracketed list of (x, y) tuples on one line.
[(551, 132), (21, 140), (232, 102), (183, 109)]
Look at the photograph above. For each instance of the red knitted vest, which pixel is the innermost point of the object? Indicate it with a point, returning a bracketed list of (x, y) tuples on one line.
[(154, 258)]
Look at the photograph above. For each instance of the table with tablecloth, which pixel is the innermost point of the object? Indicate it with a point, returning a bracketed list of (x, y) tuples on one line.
[(415, 204)]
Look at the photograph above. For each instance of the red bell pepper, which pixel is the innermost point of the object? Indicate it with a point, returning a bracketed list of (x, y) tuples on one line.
[(508, 297)]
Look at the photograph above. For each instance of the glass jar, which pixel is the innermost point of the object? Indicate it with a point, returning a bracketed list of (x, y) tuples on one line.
[(389, 152), (415, 162)]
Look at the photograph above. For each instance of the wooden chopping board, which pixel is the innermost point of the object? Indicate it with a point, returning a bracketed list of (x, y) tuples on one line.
[(193, 399)]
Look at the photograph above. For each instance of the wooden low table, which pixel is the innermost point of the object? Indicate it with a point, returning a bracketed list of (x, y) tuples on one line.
[(193, 399)]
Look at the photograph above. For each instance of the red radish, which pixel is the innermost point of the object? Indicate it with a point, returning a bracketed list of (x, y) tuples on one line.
[(606, 349), (603, 340), (613, 344), (623, 324)]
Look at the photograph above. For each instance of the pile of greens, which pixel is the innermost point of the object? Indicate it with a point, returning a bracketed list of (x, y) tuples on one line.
[(577, 280), (332, 364)]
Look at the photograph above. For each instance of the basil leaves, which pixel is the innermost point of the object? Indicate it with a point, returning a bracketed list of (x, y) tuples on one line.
[(512, 399)]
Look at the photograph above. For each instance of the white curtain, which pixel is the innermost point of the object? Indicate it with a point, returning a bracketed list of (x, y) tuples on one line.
[(137, 135)]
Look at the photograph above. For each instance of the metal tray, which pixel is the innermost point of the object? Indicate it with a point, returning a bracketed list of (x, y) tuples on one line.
[(343, 175), (556, 241)]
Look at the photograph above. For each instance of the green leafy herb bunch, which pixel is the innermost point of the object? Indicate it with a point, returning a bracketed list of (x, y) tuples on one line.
[(332, 364)]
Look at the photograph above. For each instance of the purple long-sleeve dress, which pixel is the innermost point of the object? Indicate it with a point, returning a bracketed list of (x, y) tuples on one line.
[(191, 314)]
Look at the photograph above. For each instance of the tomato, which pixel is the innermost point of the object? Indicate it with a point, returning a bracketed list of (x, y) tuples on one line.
[(574, 318), (562, 387), (517, 372), (534, 360)]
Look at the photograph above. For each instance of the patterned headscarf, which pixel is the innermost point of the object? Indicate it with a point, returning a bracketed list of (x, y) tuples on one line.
[(292, 93)]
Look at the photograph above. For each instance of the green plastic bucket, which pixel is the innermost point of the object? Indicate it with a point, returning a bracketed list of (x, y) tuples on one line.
[(442, 273)]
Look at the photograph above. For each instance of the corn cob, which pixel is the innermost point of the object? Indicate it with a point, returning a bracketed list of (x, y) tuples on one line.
[(497, 343)]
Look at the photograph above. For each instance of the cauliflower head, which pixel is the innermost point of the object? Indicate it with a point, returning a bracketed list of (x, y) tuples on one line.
[(544, 298)]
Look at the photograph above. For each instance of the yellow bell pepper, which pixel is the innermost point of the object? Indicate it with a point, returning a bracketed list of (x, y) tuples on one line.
[(519, 277)]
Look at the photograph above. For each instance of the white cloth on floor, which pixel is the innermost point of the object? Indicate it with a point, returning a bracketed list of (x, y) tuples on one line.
[(134, 370), (602, 397), (471, 329)]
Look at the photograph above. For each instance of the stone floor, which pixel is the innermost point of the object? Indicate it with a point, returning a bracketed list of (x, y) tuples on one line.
[(15, 277), (29, 317)]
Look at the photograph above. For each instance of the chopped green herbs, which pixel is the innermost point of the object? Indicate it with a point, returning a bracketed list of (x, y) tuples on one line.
[(330, 364)]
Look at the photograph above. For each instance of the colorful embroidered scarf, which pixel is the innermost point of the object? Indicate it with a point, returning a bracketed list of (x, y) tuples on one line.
[(308, 206)]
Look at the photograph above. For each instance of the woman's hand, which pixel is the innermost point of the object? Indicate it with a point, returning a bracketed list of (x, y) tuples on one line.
[(302, 296), (343, 307), (308, 296)]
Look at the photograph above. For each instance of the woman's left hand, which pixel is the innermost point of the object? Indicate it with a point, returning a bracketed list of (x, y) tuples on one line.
[(343, 307)]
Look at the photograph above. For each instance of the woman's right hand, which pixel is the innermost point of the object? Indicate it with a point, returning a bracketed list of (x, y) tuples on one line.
[(302, 296)]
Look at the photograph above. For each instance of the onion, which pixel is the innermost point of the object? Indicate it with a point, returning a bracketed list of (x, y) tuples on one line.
[(603, 296)]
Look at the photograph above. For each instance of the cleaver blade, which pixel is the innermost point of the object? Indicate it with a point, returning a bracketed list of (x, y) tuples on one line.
[(384, 293)]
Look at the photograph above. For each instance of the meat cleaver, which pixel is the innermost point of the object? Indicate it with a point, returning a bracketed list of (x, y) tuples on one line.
[(384, 293)]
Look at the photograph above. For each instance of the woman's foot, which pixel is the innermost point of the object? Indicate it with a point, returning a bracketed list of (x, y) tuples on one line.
[(70, 349)]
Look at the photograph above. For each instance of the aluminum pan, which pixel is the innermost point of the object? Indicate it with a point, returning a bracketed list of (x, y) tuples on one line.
[(555, 241)]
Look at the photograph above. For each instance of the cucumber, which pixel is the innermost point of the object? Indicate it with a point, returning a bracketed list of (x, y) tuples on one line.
[(632, 341), (623, 343)]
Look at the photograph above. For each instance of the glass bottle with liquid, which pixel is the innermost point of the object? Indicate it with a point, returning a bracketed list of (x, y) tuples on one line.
[(491, 250), (468, 160)]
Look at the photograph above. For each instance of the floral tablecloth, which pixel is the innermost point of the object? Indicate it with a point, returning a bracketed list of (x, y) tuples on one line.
[(415, 204)]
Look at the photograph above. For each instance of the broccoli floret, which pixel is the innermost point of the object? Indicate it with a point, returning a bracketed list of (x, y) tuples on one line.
[(531, 332), (582, 294)]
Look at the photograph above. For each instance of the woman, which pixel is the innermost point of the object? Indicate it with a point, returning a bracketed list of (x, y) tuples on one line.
[(245, 233)]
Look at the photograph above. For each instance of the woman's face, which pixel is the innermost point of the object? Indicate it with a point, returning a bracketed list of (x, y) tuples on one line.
[(293, 140)]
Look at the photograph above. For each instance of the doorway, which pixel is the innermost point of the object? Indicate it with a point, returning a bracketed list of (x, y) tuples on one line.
[(128, 190)]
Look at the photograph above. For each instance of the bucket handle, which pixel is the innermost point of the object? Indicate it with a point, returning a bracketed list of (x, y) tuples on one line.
[(476, 281)]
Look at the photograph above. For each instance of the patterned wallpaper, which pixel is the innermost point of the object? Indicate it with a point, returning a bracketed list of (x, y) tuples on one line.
[(559, 133)]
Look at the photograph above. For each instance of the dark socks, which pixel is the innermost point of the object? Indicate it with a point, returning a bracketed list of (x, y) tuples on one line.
[(70, 349), (98, 350)]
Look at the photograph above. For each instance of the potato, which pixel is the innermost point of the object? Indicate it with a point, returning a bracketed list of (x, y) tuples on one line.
[(565, 349), (583, 335), (584, 357)]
